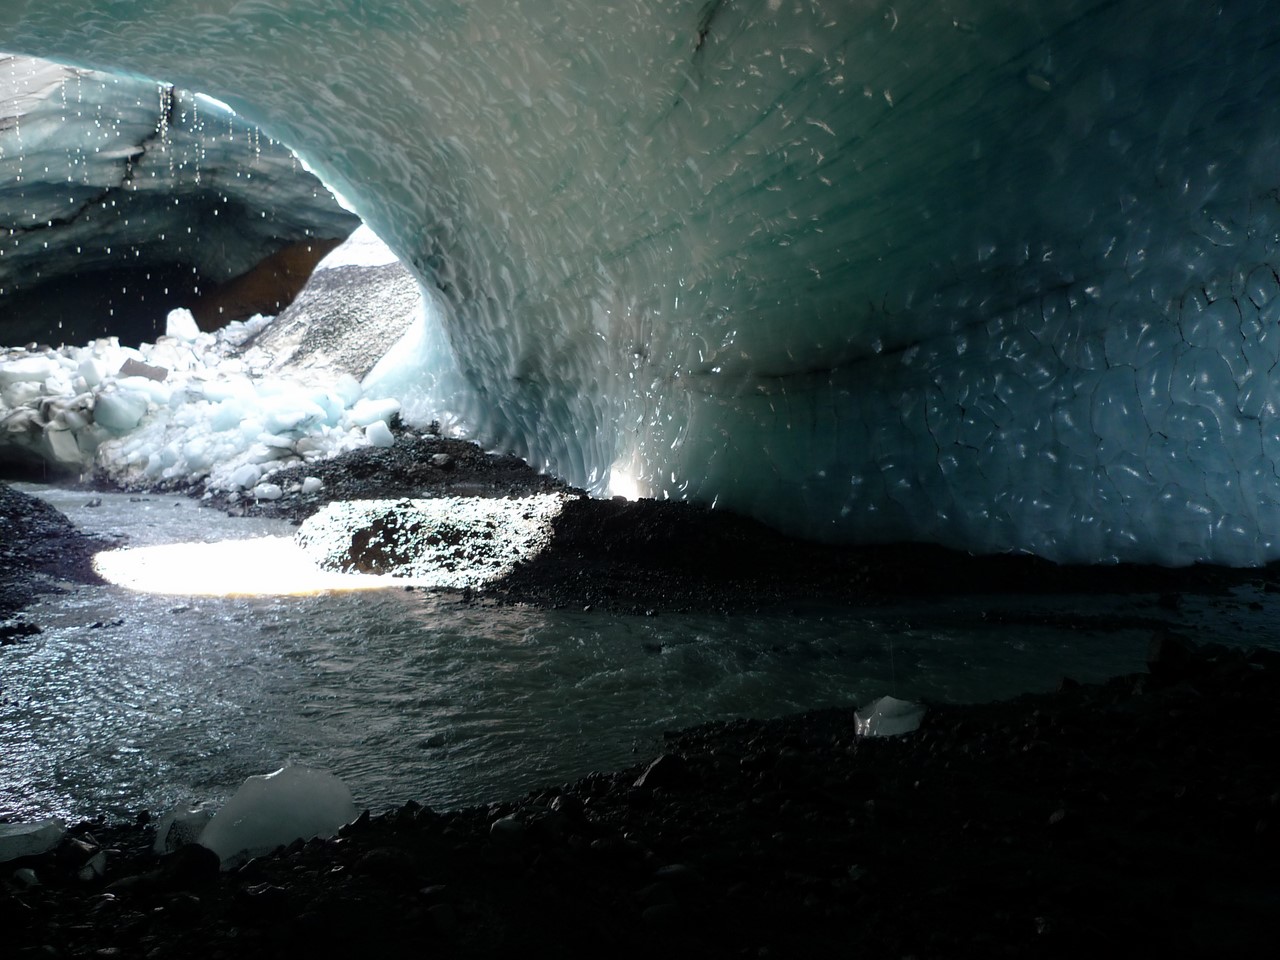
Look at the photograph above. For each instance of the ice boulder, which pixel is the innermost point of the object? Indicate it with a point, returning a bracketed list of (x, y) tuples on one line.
[(93, 369), (267, 491), (181, 324), (275, 809), (30, 839), (889, 717), (379, 434), (120, 410), (368, 410), (180, 826), (246, 476), (31, 369)]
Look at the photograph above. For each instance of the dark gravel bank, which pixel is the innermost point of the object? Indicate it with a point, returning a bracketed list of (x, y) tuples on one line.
[(1140, 818), (38, 548)]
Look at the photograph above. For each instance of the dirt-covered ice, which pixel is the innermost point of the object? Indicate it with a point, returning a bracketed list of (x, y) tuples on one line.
[(454, 542)]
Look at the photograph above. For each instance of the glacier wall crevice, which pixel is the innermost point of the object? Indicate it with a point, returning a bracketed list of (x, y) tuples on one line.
[(992, 274)]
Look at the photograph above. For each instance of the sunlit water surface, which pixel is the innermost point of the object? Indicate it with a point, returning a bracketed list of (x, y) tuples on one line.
[(133, 701)]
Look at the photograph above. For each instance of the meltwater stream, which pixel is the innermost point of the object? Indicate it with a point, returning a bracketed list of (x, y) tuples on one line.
[(133, 701)]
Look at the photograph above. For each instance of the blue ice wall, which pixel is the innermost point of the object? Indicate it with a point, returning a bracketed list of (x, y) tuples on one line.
[(998, 275)]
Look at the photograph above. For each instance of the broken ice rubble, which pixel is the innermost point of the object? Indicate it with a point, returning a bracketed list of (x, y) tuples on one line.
[(193, 406)]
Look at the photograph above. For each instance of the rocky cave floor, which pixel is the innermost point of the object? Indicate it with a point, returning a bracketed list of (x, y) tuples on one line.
[(1140, 815)]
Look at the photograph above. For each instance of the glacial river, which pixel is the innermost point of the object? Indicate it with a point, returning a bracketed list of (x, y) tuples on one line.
[(130, 700)]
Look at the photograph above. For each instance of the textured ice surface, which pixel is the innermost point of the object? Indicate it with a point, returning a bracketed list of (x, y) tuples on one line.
[(999, 275), (117, 192), (275, 809)]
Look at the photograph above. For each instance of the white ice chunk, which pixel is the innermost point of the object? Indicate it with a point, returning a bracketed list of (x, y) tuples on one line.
[(246, 475), (23, 391), (312, 484), (120, 410), (379, 434), (30, 839), (267, 491), (227, 415), (62, 444), (155, 391), (276, 809), (228, 387), (367, 411), (349, 389), (291, 413), (28, 369), (332, 406), (888, 717), (261, 452), (181, 324)]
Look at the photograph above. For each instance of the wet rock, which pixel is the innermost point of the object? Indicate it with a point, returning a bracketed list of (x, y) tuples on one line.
[(136, 368), (387, 863), (262, 901), (677, 875), (190, 866), (569, 805), (664, 915), (436, 893), (443, 917), (16, 632), (94, 868), (666, 771), (507, 832)]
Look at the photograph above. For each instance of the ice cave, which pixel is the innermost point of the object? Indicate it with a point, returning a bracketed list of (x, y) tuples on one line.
[(826, 452), (990, 275)]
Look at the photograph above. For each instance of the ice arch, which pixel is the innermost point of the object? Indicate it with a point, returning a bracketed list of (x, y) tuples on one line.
[(996, 274)]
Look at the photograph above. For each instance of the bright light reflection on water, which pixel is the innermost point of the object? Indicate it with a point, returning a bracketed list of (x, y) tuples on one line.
[(256, 567), (130, 701)]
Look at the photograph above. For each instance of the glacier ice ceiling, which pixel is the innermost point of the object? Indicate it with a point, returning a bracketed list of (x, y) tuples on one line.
[(999, 275)]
